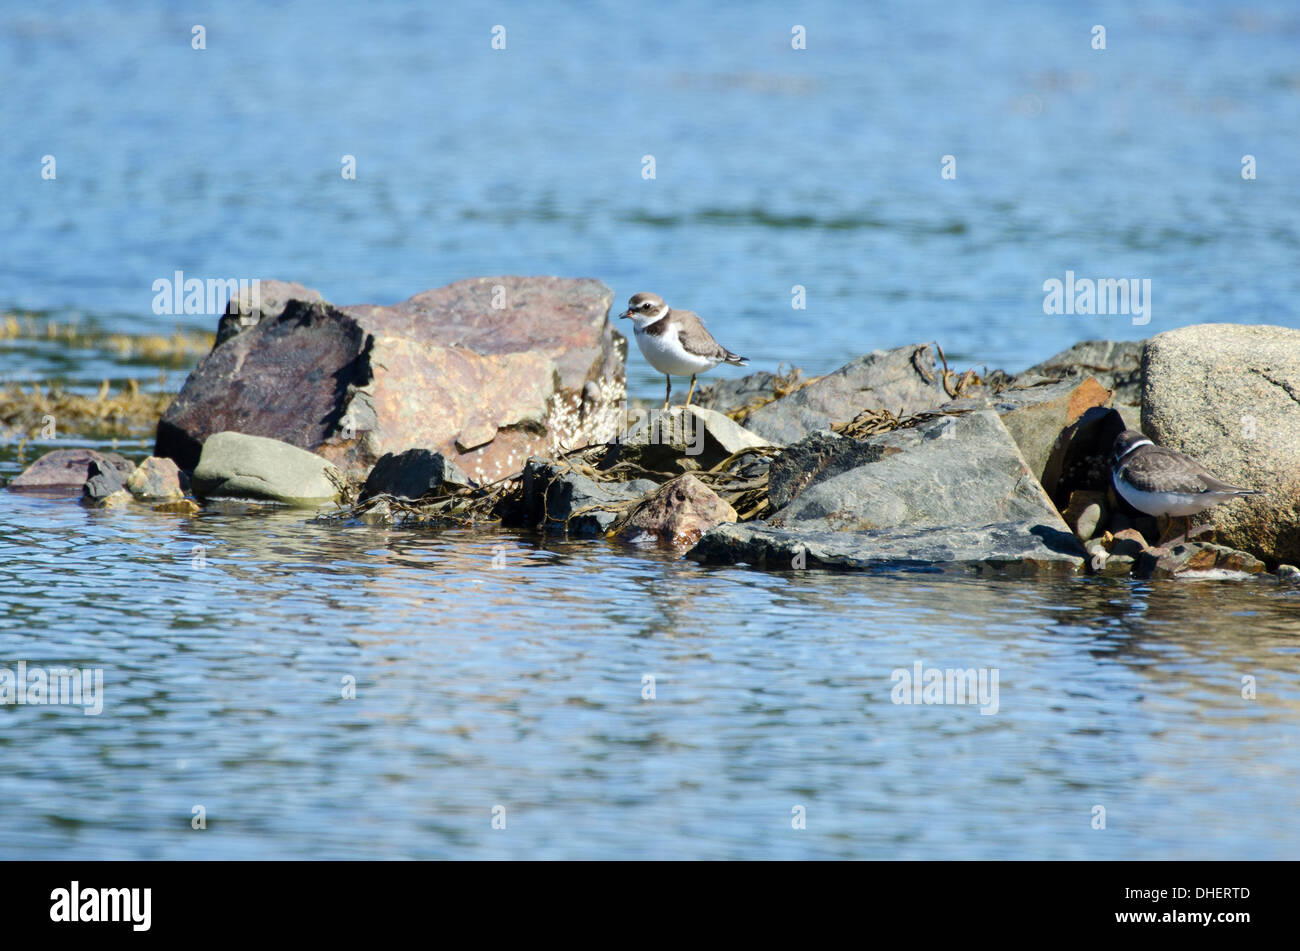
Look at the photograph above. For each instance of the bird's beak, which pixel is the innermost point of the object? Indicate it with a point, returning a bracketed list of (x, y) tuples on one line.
[(626, 313)]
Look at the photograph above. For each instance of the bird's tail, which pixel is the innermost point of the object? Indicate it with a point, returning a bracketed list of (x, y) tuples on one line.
[(735, 359)]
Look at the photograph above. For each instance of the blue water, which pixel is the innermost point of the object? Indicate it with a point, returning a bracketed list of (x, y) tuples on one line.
[(522, 687)]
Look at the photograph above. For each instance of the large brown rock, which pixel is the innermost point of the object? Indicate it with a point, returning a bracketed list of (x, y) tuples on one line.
[(485, 371), (65, 471), (1229, 396)]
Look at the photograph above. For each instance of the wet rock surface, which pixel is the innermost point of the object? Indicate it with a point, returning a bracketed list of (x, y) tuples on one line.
[(678, 513), (240, 466), (65, 471), (411, 474)]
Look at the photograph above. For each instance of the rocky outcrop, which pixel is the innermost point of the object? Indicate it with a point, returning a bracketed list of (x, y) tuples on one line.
[(1229, 396), (903, 381), (1116, 365), (678, 513), (486, 371), (65, 471), (239, 466)]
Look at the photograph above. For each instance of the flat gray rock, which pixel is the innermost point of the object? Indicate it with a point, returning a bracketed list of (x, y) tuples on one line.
[(1008, 548), (903, 380), (238, 466)]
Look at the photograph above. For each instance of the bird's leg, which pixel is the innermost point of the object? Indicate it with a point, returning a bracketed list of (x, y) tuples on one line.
[(692, 390), (668, 392)]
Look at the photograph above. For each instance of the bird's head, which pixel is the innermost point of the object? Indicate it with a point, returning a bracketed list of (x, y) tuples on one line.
[(645, 309), (1125, 443)]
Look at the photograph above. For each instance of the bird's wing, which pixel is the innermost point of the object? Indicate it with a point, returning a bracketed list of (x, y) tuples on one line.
[(1162, 470), (695, 337)]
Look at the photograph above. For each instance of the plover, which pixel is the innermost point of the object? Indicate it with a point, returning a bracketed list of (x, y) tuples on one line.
[(1159, 481), (675, 341)]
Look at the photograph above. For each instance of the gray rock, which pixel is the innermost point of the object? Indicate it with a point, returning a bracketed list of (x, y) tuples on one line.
[(727, 396), (157, 478), (554, 499), (1038, 416), (104, 479), (816, 457), (247, 309), (1014, 549), (235, 465), (1117, 365), (951, 471), (410, 474), (1229, 396), (65, 471), (1288, 574), (683, 438), (903, 380)]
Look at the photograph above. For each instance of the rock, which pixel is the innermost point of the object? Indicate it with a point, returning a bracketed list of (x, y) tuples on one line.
[(236, 465), (157, 478), (728, 396), (104, 479), (1037, 416), (113, 500), (1009, 548), (678, 513), (554, 499), (903, 381), (1128, 542), (410, 474), (1117, 366), (1085, 513), (178, 507), (246, 309), (1288, 574), (448, 370), (381, 513), (1197, 559), (1229, 396), (689, 437), (819, 455), (951, 471), (65, 471)]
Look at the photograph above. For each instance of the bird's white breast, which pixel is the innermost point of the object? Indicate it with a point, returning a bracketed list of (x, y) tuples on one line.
[(1168, 503), (667, 355)]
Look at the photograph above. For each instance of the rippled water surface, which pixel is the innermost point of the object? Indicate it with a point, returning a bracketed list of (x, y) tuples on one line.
[(521, 686)]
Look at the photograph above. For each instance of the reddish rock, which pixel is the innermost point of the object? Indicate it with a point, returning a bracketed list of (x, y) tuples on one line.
[(65, 471), (157, 479), (1195, 557), (447, 370), (679, 512)]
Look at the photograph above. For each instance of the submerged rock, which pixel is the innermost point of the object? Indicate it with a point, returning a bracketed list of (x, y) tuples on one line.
[(65, 471), (557, 499), (904, 380), (679, 512), (411, 474), (239, 466), (1229, 396), (486, 371)]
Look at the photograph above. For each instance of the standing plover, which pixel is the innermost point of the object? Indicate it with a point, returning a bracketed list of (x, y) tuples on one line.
[(1159, 481), (675, 341)]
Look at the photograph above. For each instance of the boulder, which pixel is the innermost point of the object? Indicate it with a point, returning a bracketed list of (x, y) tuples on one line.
[(1038, 416), (950, 471), (65, 471), (1016, 548), (683, 438), (240, 466), (678, 513), (904, 381), (1288, 574), (1229, 396), (486, 371), (558, 499), (157, 478), (411, 474)]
